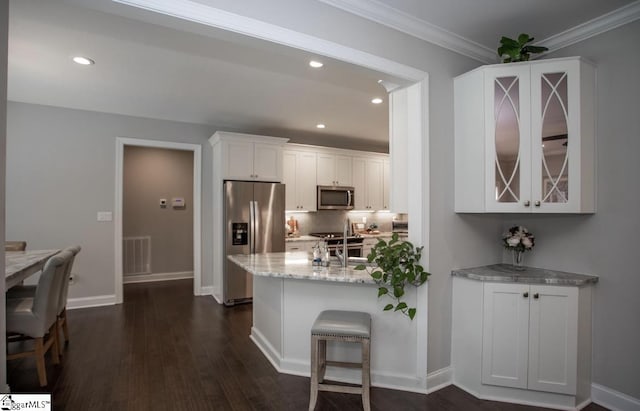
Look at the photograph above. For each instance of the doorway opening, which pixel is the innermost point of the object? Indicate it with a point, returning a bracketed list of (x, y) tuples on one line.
[(157, 212)]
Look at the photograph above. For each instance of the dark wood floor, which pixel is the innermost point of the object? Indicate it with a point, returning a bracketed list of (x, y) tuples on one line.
[(164, 349)]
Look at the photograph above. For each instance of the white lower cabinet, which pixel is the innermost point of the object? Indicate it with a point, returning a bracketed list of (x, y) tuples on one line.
[(299, 245), (367, 245), (530, 337), (523, 343)]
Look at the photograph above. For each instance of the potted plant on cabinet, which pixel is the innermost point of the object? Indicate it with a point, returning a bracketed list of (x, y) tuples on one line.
[(511, 50)]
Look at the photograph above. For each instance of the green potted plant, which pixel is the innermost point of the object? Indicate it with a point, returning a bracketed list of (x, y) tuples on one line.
[(511, 50), (393, 266)]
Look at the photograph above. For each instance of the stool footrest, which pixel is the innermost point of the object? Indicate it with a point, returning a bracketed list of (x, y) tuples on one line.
[(340, 388), (343, 364)]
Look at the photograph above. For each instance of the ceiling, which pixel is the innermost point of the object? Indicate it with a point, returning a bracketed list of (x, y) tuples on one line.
[(144, 67)]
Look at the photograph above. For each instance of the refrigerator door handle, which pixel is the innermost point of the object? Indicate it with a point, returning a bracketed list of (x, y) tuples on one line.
[(252, 227), (256, 225)]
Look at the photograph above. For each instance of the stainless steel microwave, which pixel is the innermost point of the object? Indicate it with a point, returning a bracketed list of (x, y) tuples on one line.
[(335, 198)]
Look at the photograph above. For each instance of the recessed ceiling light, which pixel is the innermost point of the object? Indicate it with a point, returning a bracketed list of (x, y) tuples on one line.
[(85, 61), (376, 100), (315, 64), (320, 125)]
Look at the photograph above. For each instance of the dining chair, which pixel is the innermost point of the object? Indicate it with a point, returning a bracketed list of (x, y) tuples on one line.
[(62, 302), (36, 317), (22, 291), (15, 245)]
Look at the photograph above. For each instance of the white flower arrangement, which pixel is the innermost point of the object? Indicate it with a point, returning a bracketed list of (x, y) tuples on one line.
[(518, 238)]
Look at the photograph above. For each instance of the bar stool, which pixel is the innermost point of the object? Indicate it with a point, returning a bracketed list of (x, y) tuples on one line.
[(347, 326)]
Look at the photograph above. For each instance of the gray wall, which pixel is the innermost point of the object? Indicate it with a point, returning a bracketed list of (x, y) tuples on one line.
[(61, 172), (605, 243), (4, 39), (149, 175), (455, 241), (601, 244)]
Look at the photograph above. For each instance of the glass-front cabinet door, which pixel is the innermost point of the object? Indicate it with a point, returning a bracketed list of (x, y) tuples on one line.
[(508, 139), (555, 136)]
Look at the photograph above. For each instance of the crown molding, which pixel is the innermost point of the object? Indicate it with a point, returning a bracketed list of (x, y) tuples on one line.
[(413, 26), (388, 16), (594, 27)]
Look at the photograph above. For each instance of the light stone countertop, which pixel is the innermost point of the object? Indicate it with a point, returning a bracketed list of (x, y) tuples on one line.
[(297, 265), (301, 238), (382, 234), (505, 273)]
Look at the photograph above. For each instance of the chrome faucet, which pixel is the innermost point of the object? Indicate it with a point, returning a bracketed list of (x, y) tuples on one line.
[(343, 257)]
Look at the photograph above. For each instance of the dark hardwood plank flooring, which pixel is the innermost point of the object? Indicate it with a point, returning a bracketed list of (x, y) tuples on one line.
[(164, 349)]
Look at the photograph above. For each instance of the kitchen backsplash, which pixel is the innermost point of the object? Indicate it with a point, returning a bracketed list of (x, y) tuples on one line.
[(332, 221)]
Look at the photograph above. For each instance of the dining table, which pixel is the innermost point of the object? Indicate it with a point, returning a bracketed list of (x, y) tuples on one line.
[(21, 264)]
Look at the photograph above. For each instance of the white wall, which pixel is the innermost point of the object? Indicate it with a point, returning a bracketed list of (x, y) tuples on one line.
[(4, 40), (605, 244), (61, 172)]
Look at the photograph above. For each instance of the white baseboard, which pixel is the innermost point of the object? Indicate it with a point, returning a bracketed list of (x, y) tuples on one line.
[(439, 379), (206, 290), (612, 399), (86, 302), (267, 349), (301, 368), (217, 294), (146, 278)]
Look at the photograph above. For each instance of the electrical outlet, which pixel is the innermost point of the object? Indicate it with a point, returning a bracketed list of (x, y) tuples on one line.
[(105, 216)]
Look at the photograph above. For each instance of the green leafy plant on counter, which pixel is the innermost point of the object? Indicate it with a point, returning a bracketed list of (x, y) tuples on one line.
[(395, 265), (511, 50)]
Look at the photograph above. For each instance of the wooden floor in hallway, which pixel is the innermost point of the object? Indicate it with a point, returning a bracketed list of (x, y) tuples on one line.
[(164, 349)]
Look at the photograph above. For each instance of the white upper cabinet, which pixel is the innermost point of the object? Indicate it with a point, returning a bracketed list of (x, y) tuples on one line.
[(249, 157), (525, 138), (299, 176), (334, 170), (368, 183), (386, 184)]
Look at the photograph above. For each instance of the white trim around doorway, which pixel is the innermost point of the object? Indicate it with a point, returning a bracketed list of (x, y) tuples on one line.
[(121, 142)]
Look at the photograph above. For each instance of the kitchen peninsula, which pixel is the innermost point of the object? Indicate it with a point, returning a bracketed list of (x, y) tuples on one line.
[(288, 294)]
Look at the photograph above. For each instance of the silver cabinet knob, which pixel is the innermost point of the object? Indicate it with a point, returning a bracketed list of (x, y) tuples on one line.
[(527, 203), (537, 203)]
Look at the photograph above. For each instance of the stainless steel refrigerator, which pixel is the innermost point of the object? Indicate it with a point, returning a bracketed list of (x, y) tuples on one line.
[(255, 223)]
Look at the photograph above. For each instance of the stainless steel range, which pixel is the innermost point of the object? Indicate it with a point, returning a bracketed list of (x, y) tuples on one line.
[(335, 240)]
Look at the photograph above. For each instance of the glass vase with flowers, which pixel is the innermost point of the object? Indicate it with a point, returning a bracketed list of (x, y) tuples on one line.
[(518, 240)]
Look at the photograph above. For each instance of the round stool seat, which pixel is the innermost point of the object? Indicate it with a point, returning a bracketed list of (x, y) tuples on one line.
[(342, 324)]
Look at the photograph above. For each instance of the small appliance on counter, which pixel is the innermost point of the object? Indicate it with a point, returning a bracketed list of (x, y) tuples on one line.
[(292, 227), (400, 227)]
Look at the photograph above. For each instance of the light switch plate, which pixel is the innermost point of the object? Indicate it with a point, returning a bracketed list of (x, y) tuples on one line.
[(105, 216)]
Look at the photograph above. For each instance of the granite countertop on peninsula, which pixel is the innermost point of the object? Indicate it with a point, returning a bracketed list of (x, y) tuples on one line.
[(297, 265), (505, 273), (301, 238)]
